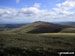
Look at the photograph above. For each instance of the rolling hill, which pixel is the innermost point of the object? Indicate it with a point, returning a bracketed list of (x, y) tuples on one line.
[(5, 27), (68, 30), (68, 23), (11, 25), (40, 27)]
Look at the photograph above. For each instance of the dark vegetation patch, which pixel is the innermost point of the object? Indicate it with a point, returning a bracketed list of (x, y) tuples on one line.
[(44, 27), (11, 51)]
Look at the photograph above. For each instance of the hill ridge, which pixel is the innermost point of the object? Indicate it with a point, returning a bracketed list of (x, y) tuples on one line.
[(40, 27)]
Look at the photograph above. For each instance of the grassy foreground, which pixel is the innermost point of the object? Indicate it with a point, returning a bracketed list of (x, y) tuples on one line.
[(45, 44)]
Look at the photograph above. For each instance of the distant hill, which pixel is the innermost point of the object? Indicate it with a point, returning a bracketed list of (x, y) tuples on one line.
[(68, 30), (68, 23), (40, 27), (4, 27), (11, 25)]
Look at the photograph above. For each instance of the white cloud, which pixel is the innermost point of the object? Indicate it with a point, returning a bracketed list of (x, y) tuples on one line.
[(8, 12), (32, 12), (58, 5), (65, 8), (68, 4), (61, 13), (37, 5), (17, 1)]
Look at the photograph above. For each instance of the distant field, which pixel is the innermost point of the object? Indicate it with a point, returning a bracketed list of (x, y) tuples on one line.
[(5, 29)]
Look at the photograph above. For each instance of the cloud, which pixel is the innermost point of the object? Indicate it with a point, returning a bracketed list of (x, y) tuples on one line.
[(65, 8), (33, 13), (68, 4), (37, 5), (17, 1), (62, 12), (8, 12)]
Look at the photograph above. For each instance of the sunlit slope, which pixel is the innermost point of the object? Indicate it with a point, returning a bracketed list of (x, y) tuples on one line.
[(68, 30)]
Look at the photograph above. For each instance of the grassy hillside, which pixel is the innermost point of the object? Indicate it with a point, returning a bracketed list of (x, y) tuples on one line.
[(44, 44), (68, 30), (40, 27)]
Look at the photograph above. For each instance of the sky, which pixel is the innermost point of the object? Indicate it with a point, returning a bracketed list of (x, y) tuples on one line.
[(24, 11)]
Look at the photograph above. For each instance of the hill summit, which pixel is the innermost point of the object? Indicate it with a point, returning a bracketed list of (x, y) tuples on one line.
[(40, 27)]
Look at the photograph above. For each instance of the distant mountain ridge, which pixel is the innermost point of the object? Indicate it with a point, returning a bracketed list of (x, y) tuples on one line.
[(5, 27), (11, 25), (68, 23)]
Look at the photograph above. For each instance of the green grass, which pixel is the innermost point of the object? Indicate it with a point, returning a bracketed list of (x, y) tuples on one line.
[(68, 30), (45, 43)]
